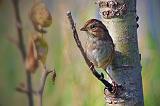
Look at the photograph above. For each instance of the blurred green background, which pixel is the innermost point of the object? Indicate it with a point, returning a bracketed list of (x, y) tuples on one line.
[(74, 85)]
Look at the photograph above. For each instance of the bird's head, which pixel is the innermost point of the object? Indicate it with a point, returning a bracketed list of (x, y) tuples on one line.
[(94, 28)]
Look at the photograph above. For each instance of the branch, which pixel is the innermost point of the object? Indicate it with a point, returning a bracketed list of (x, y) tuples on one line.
[(100, 77), (23, 89), (45, 73), (22, 48), (19, 28)]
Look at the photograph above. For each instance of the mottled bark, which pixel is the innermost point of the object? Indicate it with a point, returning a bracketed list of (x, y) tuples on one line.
[(119, 16)]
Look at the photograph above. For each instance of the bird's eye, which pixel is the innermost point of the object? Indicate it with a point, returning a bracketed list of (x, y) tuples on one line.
[(93, 26)]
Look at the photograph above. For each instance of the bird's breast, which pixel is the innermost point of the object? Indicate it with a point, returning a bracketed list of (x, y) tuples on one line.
[(98, 51)]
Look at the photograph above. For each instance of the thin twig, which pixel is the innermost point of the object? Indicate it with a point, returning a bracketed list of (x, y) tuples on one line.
[(22, 88), (22, 48), (19, 28), (90, 65), (45, 73)]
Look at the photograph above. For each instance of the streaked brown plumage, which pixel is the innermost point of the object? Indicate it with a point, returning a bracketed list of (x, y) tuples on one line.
[(99, 45)]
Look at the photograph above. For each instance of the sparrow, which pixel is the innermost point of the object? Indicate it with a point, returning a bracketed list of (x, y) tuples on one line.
[(99, 46)]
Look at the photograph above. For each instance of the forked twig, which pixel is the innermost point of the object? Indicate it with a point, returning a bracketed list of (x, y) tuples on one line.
[(45, 72), (44, 75)]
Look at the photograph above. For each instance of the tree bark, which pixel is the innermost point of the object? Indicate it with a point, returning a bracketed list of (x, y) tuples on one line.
[(119, 16)]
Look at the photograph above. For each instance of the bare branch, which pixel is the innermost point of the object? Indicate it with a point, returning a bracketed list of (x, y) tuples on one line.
[(22, 48), (90, 65), (45, 73), (19, 28), (23, 89)]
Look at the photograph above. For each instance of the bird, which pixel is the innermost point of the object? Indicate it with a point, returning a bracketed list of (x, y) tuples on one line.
[(99, 47)]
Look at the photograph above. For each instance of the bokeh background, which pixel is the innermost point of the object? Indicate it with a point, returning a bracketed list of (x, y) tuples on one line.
[(74, 85)]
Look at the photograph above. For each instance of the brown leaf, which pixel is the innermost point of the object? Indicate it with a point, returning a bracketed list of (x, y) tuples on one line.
[(31, 61)]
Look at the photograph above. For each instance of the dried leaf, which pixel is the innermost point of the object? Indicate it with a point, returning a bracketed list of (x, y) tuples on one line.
[(41, 48), (31, 60)]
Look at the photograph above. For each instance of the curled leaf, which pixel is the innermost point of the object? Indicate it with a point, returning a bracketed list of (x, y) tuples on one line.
[(40, 16), (41, 48), (31, 60)]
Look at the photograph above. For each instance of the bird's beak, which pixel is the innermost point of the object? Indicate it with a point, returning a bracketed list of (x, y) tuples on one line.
[(83, 29)]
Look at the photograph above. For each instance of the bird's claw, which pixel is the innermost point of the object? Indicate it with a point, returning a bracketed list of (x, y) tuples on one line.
[(114, 88)]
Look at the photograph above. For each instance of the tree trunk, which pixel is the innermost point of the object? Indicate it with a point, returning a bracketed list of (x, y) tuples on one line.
[(119, 16)]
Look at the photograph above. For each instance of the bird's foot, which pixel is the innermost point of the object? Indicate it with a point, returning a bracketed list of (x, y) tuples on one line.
[(114, 96), (114, 88)]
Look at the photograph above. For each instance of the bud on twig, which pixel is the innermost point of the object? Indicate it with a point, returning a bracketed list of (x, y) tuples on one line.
[(40, 16)]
